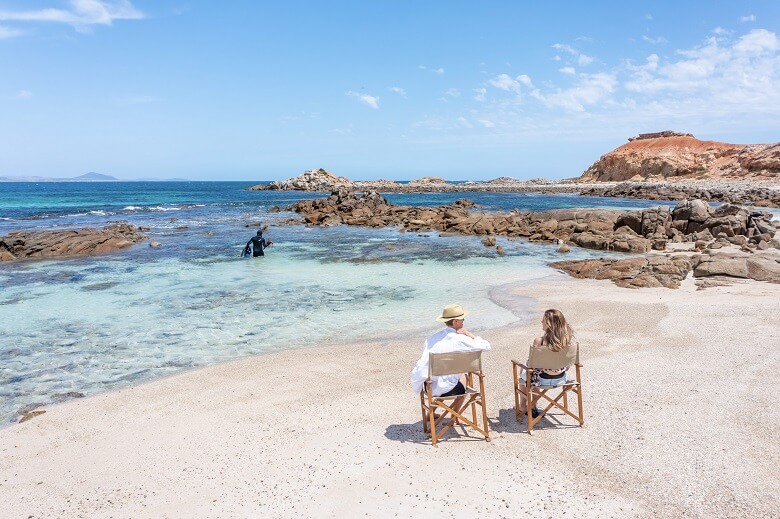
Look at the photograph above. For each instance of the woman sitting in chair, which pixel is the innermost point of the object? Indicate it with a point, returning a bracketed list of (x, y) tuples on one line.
[(557, 336)]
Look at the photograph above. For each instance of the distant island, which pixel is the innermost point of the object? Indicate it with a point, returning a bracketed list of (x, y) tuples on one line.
[(88, 177)]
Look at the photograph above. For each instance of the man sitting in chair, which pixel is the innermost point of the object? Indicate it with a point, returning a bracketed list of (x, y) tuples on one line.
[(453, 338)]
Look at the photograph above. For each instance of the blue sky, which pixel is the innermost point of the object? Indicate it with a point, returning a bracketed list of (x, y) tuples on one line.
[(252, 90)]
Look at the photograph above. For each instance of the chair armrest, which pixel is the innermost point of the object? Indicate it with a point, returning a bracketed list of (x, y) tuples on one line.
[(518, 363)]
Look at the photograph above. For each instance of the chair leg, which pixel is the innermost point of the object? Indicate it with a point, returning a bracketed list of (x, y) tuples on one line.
[(483, 405), (432, 414), (579, 395), (424, 414), (516, 386)]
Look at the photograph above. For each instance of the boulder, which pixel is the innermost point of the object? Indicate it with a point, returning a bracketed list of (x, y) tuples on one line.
[(66, 243)]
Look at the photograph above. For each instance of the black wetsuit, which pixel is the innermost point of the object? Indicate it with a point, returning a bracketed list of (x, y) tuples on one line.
[(258, 244)]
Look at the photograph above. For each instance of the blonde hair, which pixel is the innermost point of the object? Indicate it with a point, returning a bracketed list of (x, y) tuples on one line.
[(557, 332)]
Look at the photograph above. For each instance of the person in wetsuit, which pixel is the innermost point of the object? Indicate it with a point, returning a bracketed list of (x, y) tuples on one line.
[(257, 243)]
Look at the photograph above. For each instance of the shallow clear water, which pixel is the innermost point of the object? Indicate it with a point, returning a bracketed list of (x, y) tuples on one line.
[(90, 324)]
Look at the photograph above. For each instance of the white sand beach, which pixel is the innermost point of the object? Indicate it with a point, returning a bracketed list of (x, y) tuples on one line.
[(681, 420)]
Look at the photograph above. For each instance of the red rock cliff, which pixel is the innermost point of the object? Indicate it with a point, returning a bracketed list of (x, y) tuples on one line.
[(674, 156)]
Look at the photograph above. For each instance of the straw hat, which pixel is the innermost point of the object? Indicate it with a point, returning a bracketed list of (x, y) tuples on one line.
[(451, 312)]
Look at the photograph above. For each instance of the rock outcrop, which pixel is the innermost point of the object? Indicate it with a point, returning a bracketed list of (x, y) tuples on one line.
[(648, 271), (312, 180), (321, 180), (71, 242), (655, 270), (735, 193), (670, 155), (600, 229)]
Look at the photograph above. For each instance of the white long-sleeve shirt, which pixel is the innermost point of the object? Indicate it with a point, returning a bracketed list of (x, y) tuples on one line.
[(444, 341)]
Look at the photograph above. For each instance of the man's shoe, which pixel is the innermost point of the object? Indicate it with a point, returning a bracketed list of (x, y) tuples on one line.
[(535, 412)]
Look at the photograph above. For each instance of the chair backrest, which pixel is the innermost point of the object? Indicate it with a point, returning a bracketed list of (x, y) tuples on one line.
[(454, 362), (542, 357)]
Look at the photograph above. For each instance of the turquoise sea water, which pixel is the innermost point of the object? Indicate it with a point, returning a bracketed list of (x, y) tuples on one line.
[(90, 324)]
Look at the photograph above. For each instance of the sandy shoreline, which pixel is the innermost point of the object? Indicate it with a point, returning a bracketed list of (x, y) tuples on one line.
[(681, 419)]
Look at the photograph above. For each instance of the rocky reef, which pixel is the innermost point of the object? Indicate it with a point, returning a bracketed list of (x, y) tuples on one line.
[(680, 156), (321, 180), (735, 193), (764, 193), (703, 228), (69, 242)]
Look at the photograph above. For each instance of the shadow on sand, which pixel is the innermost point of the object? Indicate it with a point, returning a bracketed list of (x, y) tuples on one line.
[(504, 423)]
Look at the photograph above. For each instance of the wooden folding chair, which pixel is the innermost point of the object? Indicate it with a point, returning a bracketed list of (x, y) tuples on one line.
[(541, 357), (470, 364)]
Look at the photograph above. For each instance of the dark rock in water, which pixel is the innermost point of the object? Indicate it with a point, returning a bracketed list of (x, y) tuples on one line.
[(61, 397), (73, 242), (30, 415), (28, 408), (99, 286)]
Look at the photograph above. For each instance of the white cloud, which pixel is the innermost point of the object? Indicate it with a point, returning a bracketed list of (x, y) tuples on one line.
[(479, 94), (464, 123), (8, 32), (522, 78), (398, 90), (567, 48), (748, 18), (452, 92), (584, 60), (654, 41), (366, 99), (23, 94), (758, 41), (439, 70), (748, 67), (567, 70), (590, 89), (487, 123), (507, 83), (81, 14)]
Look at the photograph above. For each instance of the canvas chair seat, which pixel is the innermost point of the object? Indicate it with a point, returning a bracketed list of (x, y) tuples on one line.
[(551, 397), (470, 364)]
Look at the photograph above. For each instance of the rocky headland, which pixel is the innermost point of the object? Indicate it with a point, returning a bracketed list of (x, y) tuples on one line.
[(68, 242), (681, 156), (746, 234)]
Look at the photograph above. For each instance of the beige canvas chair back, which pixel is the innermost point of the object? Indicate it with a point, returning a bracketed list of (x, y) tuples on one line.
[(454, 362), (542, 357)]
